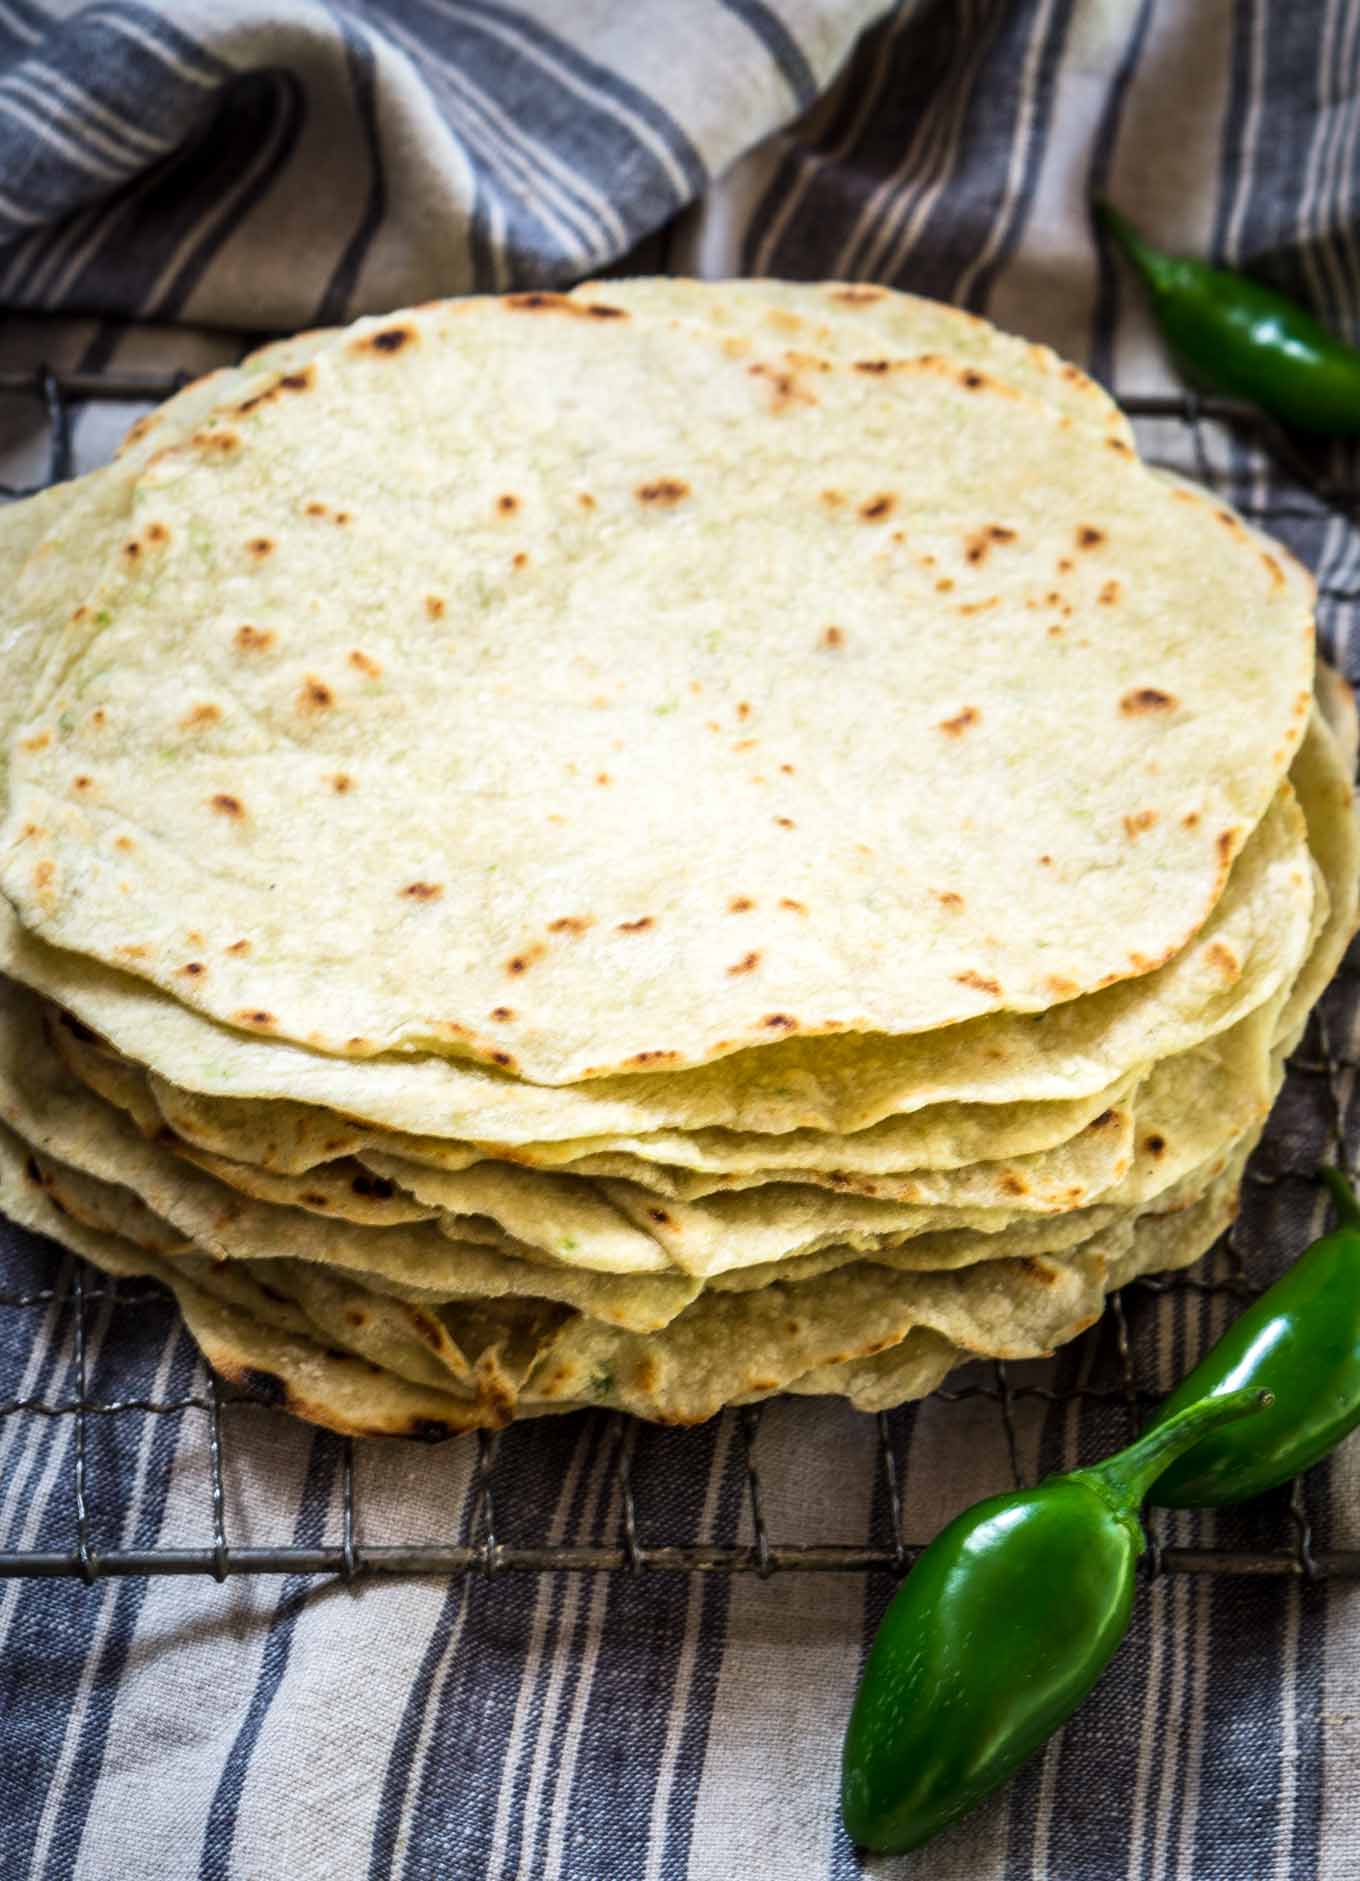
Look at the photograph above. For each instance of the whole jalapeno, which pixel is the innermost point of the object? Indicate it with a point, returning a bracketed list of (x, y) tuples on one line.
[(999, 1631), (1244, 338), (1301, 1341)]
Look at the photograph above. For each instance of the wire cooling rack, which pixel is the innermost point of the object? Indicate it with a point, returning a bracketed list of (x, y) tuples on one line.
[(1313, 503)]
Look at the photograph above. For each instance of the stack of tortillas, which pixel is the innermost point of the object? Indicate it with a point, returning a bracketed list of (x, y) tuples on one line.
[(647, 848)]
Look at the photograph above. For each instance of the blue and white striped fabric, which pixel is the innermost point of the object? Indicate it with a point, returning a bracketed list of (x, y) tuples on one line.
[(265, 165), (219, 164)]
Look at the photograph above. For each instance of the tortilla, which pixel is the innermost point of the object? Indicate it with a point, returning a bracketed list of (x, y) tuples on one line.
[(947, 1093), (210, 701)]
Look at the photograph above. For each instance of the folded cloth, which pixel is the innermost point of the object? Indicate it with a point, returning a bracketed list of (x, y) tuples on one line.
[(236, 163), (213, 162)]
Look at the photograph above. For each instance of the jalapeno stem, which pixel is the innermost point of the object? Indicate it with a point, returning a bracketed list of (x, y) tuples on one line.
[(1151, 261), (1123, 1480), (1347, 1207)]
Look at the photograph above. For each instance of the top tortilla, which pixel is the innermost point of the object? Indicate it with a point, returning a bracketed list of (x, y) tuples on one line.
[(911, 890)]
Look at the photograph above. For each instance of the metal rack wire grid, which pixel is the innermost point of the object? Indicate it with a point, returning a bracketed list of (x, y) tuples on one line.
[(1107, 1379)]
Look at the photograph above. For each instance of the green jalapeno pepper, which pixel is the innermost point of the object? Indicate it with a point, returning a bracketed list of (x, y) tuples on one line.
[(1245, 339), (997, 1634), (1301, 1341)]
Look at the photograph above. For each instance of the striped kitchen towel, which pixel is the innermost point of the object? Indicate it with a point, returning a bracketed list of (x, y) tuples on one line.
[(232, 162), (218, 164)]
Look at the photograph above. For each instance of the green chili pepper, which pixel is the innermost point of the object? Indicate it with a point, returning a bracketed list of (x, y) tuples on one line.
[(1245, 339), (1301, 1341), (997, 1634)]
